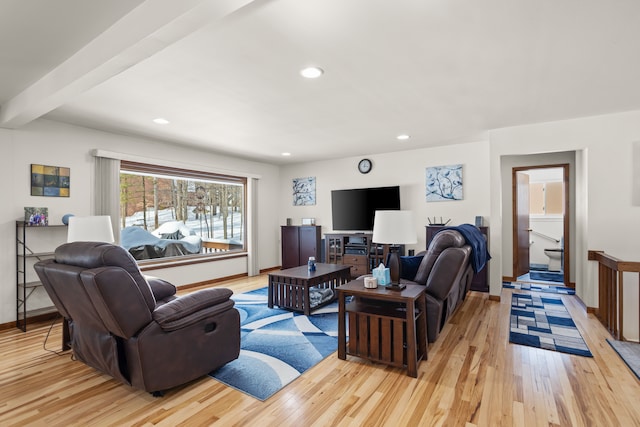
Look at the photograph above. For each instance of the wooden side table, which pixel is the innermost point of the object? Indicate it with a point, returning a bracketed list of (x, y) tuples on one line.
[(384, 326)]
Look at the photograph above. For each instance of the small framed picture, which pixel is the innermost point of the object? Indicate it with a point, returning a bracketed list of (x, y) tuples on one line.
[(308, 221), (36, 216)]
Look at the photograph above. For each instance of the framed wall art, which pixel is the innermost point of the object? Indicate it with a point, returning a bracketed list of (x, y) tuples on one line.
[(444, 183), (304, 191), (51, 181)]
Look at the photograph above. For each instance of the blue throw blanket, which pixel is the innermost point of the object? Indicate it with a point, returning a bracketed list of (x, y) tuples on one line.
[(474, 237)]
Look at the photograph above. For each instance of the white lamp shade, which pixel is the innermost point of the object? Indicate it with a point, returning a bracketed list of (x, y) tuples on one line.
[(90, 229), (394, 228)]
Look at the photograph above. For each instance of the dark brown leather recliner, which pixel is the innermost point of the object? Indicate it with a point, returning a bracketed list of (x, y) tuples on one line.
[(133, 327), (446, 272)]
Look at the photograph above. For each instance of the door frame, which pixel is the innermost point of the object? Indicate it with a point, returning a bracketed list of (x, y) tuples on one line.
[(566, 218), (521, 226)]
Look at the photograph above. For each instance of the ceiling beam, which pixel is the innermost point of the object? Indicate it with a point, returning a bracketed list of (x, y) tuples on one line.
[(146, 30)]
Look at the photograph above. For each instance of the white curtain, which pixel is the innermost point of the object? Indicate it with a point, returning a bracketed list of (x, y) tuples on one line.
[(107, 191), (253, 266)]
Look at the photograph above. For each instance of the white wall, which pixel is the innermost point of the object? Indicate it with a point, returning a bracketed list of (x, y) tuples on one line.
[(52, 143), (403, 168), (550, 226), (605, 216)]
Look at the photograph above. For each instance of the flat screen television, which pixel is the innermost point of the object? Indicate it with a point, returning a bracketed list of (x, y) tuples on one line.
[(354, 209)]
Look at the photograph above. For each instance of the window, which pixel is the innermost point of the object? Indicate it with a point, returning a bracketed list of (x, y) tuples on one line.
[(546, 198), (168, 212)]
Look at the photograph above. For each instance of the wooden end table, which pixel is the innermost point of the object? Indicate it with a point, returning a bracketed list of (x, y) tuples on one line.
[(290, 288), (384, 326)]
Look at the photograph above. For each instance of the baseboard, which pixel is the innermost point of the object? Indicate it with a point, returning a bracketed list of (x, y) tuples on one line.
[(39, 318), (495, 298), (211, 281), (223, 279)]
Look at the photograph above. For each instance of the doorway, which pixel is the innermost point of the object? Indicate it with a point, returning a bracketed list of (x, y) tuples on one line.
[(541, 219)]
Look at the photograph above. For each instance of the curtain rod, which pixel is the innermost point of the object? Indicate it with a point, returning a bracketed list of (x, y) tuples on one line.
[(97, 152)]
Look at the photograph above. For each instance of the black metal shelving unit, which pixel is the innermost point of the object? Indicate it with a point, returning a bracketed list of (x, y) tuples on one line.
[(25, 258)]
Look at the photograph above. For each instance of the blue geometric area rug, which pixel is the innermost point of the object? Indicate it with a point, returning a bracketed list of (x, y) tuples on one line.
[(543, 321), (537, 287), (277, 346), (548, 276)]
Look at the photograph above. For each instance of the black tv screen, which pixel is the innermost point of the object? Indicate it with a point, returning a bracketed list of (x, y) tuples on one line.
[(354, 209)]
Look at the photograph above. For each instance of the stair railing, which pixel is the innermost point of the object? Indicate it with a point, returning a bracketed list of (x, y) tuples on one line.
[(611, 290)]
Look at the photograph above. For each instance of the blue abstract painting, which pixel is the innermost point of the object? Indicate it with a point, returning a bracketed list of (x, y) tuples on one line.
[(304, 191), (444, 183)]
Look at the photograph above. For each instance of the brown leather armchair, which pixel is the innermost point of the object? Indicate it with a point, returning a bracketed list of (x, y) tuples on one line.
[(133, 327), (446, 272)]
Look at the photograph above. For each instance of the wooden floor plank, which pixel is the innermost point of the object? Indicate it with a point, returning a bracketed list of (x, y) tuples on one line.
[(473, 377)]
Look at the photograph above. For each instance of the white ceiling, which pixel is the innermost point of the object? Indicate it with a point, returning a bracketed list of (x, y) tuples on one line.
[(226, 72)]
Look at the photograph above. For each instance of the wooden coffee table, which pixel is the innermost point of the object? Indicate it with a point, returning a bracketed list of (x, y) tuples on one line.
[(290, 288), (384, 325)]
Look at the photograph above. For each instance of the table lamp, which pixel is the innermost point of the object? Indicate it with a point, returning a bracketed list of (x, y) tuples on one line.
[(394, 228), (90, 229)]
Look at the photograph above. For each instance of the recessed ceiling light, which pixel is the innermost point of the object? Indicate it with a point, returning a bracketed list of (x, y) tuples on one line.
[(161, 121), (286, 154), (311, 72), (403, 137)]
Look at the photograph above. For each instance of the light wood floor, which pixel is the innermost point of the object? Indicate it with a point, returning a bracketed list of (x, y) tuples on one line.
[(473, 377)]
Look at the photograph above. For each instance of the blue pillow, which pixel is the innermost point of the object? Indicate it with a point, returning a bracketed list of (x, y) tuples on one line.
[(410, 265)]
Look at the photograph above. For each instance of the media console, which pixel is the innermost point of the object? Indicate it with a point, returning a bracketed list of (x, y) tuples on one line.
[(356, 250)]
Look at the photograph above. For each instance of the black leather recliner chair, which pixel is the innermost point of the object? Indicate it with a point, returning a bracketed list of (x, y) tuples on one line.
[(133, 327)]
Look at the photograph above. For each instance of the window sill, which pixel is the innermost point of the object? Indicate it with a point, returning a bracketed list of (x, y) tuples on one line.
[(159, 263)]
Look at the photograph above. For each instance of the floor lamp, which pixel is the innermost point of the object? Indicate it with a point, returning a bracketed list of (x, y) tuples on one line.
[(394, 228)]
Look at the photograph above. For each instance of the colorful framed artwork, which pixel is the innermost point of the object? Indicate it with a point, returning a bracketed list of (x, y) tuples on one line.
[(304, 191), (444, 183), (51, 181)]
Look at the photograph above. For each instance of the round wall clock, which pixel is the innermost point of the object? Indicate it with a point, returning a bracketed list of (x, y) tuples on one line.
[(365, 166)]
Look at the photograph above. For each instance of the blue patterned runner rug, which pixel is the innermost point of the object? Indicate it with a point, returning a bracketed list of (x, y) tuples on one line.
[(541, 320), (277, 345), (538, 287), (549, 276)]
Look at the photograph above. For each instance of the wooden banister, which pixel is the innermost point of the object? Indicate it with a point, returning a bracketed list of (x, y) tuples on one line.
[(611, 290)]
